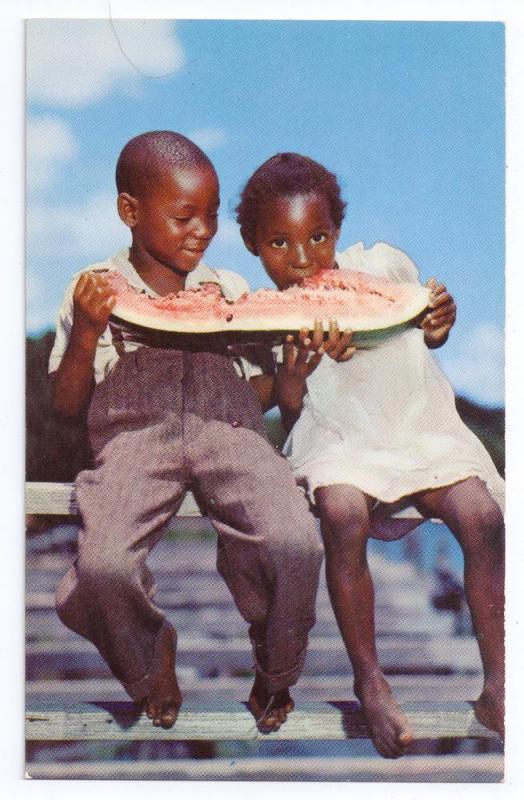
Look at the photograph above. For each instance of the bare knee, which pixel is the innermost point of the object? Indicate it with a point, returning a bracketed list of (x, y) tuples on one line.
[(344, 518), (481, 531)]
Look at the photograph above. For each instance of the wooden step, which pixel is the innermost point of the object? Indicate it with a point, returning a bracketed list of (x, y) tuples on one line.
[(482, 768), (225, 722), (223, 624), (54, 659), (225, 687)]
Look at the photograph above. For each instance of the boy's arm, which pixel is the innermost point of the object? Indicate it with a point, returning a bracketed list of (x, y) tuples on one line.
[(73, 381), (438, 322)]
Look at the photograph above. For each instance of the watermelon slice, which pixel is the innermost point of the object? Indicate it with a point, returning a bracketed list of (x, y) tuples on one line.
[(374, 308)]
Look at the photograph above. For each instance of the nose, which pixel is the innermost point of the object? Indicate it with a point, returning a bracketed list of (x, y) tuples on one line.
[(205, 227), (300, 256)]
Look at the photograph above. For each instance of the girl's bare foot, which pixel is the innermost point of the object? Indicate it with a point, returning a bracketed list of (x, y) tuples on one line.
[(389, 728), (164, 701), (489, 708), (270, 710)]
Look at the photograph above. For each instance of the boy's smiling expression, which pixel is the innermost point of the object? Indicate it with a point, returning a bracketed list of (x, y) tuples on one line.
[(174, 223), (295, 238)]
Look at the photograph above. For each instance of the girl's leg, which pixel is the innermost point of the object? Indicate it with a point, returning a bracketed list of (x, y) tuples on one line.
[(344, 513), (475, 519)]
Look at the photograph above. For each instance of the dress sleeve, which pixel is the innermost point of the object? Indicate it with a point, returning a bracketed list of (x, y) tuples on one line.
[(394, 264)]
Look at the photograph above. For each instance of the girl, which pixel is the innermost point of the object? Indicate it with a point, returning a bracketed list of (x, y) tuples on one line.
[(376, 435)]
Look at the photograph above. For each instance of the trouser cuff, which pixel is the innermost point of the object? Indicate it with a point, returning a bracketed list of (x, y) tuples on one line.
[(277, 681)]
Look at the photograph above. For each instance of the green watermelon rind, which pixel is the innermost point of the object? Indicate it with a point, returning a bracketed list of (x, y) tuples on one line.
[(367, 331)]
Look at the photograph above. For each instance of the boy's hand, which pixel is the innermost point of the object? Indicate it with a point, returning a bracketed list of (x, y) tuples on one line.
[(338, 345), (93, 300), (438, 322)]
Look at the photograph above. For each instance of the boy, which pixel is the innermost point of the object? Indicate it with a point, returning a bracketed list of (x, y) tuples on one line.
[(162, 421)]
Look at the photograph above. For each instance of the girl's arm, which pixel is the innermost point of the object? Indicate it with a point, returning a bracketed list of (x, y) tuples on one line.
[(290, 381), (73, 381), (438, 322)]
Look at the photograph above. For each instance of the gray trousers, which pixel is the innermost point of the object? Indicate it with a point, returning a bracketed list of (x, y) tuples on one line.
[(163, 422)]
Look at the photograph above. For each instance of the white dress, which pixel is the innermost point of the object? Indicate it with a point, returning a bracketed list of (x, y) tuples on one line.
[(385, 421)]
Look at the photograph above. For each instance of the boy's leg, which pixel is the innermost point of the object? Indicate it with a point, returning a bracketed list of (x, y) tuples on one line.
[(106, 596), (476, 520), (269, 552), (344, 512)]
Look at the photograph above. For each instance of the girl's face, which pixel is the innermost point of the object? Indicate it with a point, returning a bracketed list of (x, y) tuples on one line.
[(295, 238)]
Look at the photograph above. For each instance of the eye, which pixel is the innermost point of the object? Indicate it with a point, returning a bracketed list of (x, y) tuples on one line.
[(181, 219), (318, 238), (278, 244)]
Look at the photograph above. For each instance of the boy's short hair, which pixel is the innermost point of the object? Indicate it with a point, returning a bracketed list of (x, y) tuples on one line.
[(146, 156), (285, 175)]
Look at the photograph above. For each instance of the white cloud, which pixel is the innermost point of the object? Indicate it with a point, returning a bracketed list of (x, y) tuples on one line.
[(88, 231), (75, 62), (478, 371), (228, 232), (50, 142), (208, 139)]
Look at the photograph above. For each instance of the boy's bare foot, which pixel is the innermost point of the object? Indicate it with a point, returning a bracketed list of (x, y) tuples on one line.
[(269, 710), (489, 708), (389, 728), (164, 701)]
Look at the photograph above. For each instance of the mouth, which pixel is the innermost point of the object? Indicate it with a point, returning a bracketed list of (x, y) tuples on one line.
[(196, 250), (303, 272)]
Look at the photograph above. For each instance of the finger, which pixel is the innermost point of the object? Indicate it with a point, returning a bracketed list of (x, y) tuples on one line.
[(347, 355), (344, 341), (441, 317), (302, 335), (435, 294), (288, 351), (302, 355), (333, 336), (318, 334), (440, 298), (314, 361)]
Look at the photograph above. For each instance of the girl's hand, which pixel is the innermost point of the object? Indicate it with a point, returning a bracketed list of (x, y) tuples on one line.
[(338, 345), (299, 361), (438, 322), (93, 301)]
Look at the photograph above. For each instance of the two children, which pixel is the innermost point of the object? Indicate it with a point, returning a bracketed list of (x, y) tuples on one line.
[(375, 435), (162, 421), (368, 436)]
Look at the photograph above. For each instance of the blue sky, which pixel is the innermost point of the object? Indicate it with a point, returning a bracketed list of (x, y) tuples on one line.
[(410, 116)]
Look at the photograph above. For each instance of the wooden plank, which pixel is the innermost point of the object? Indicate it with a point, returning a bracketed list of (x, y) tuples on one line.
[(325, 654), (485, 768), (42, 624), (59, 499), (319, 721), (310, 688)]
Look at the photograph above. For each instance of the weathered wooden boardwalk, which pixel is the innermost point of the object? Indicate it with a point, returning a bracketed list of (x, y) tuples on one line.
[(73, 702)]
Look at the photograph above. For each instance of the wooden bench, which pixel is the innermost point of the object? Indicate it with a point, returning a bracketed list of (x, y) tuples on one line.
[(63, 720)]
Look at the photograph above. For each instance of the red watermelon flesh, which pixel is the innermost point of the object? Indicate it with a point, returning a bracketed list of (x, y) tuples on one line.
[(354, 299)]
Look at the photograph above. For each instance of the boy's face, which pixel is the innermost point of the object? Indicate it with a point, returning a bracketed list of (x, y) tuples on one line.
[(177, 219), (295, 238)]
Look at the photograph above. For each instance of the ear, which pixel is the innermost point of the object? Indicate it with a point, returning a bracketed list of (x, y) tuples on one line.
[(250, 245), (127, 209)]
